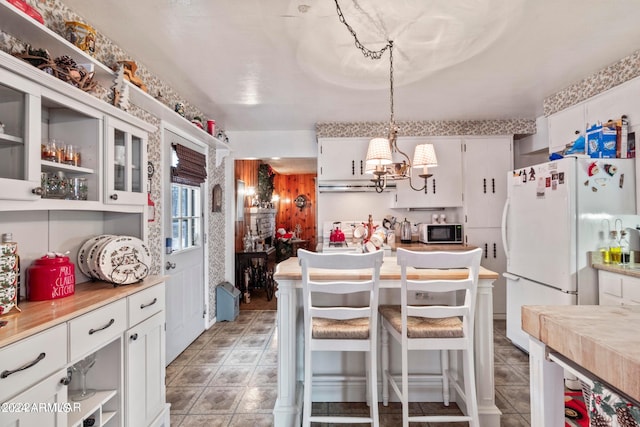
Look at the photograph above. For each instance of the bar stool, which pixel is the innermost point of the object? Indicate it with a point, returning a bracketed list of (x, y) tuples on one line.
[(435, 327), (340, 328)]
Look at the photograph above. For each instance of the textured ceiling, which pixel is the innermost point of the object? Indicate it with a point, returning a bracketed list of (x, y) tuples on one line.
[(279, 65)]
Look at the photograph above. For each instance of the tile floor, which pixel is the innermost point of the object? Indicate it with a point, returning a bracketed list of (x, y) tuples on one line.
[(227, 377)]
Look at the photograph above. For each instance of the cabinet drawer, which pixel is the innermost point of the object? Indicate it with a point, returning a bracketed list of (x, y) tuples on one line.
[(38, 356), (610, 284), (631, 292), (144, 304), (95, 329)]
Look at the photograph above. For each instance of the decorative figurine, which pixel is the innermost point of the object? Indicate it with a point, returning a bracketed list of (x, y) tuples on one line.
[(180, 108), (120, 90)]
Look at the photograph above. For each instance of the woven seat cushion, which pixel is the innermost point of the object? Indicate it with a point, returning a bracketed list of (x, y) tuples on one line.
[(352, 329), (420, 327)]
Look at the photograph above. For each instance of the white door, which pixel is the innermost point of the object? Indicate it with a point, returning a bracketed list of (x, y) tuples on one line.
[(184, 258), (521, 291)]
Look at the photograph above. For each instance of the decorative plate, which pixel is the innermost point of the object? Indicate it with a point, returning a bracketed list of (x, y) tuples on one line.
[(94, 255), (124, 260), (83, 253)]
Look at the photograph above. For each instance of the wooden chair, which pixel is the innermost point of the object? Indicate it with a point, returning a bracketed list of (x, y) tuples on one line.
[(340, 328), (435, 327)]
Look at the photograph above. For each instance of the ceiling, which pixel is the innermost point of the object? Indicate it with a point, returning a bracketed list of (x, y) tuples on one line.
[(287, 64)]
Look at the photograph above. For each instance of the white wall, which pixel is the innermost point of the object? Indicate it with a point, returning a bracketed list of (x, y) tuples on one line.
[(262, 144)]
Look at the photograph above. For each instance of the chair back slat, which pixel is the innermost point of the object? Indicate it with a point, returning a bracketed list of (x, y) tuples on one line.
[(340, 287), (339, 313), (436, 311), (439, 285)]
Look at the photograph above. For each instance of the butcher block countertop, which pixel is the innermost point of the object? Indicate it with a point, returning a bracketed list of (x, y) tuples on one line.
[(602, 339), (36, 316), (390, 271)]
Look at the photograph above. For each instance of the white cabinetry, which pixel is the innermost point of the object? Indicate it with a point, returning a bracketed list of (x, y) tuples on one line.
[(342, 159), (126, 159), (51, 392), (618, 289), (19, 171), (145, 358), (444, 188), (486, 163), (493, 258), (129, 371), (145, 371), (614, 103), (563, 126)]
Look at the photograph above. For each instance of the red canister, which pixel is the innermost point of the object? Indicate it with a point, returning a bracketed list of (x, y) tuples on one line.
[(50, 277)]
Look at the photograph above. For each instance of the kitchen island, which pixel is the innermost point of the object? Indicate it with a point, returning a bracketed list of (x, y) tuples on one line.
[(595, 342), (287, 411)]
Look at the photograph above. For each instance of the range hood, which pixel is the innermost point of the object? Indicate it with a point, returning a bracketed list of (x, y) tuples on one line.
[(351, 186)]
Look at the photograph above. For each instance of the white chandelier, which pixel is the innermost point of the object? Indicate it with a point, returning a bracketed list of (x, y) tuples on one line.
[(379, 161)]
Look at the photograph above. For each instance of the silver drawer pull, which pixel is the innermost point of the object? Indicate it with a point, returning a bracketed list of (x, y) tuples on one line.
[(155, 300), (93, 331), (5, 374)]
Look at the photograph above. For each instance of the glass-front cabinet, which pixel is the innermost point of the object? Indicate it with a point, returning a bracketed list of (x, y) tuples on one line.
[(126, 159), (19, 171), (71, 138)]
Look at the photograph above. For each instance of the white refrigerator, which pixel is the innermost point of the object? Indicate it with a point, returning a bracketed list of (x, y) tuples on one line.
[(556, 213)]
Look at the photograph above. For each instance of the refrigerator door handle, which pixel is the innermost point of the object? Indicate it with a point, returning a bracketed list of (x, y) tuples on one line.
[(511, 276), (505, 212)]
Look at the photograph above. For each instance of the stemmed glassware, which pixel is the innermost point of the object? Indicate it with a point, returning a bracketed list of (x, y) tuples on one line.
[(82, 367)]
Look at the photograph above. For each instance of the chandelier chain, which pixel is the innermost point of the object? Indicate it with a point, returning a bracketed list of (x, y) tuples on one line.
[(368, 53)]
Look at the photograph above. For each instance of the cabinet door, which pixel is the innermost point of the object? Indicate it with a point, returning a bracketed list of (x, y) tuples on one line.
[(486, 163), (342, 158), (563, 126), (444, 188), (145, 371), (19, 138), (493, 258), (47, 402), (72, 136), (126, 160)]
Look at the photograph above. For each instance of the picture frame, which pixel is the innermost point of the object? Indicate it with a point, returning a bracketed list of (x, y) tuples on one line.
[(216, 201)]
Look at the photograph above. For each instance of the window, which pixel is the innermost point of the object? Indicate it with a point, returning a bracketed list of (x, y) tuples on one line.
[(185, 216)]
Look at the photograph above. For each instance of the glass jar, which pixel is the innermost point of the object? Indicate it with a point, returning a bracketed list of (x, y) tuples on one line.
[(77, 189), (625, 252), (614, 248)]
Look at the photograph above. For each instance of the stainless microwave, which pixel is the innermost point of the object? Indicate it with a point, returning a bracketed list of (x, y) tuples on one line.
[(440, 233)]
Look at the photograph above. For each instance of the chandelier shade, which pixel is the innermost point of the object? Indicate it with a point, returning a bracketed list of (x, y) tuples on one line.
[(424, 156), (379, 152)]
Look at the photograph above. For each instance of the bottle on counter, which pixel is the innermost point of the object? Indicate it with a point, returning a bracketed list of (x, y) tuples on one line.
[(625, 252), (614, 248)]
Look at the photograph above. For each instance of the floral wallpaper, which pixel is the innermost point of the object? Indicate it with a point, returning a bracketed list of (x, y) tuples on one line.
[(619, 72), (55, 13), (427, 128)]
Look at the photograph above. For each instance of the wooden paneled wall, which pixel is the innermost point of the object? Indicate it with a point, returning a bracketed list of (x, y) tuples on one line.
[(288, 187), (247, 171)]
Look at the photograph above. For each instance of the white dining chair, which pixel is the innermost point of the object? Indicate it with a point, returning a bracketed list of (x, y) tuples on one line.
[(339, 327), (434, 327)]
